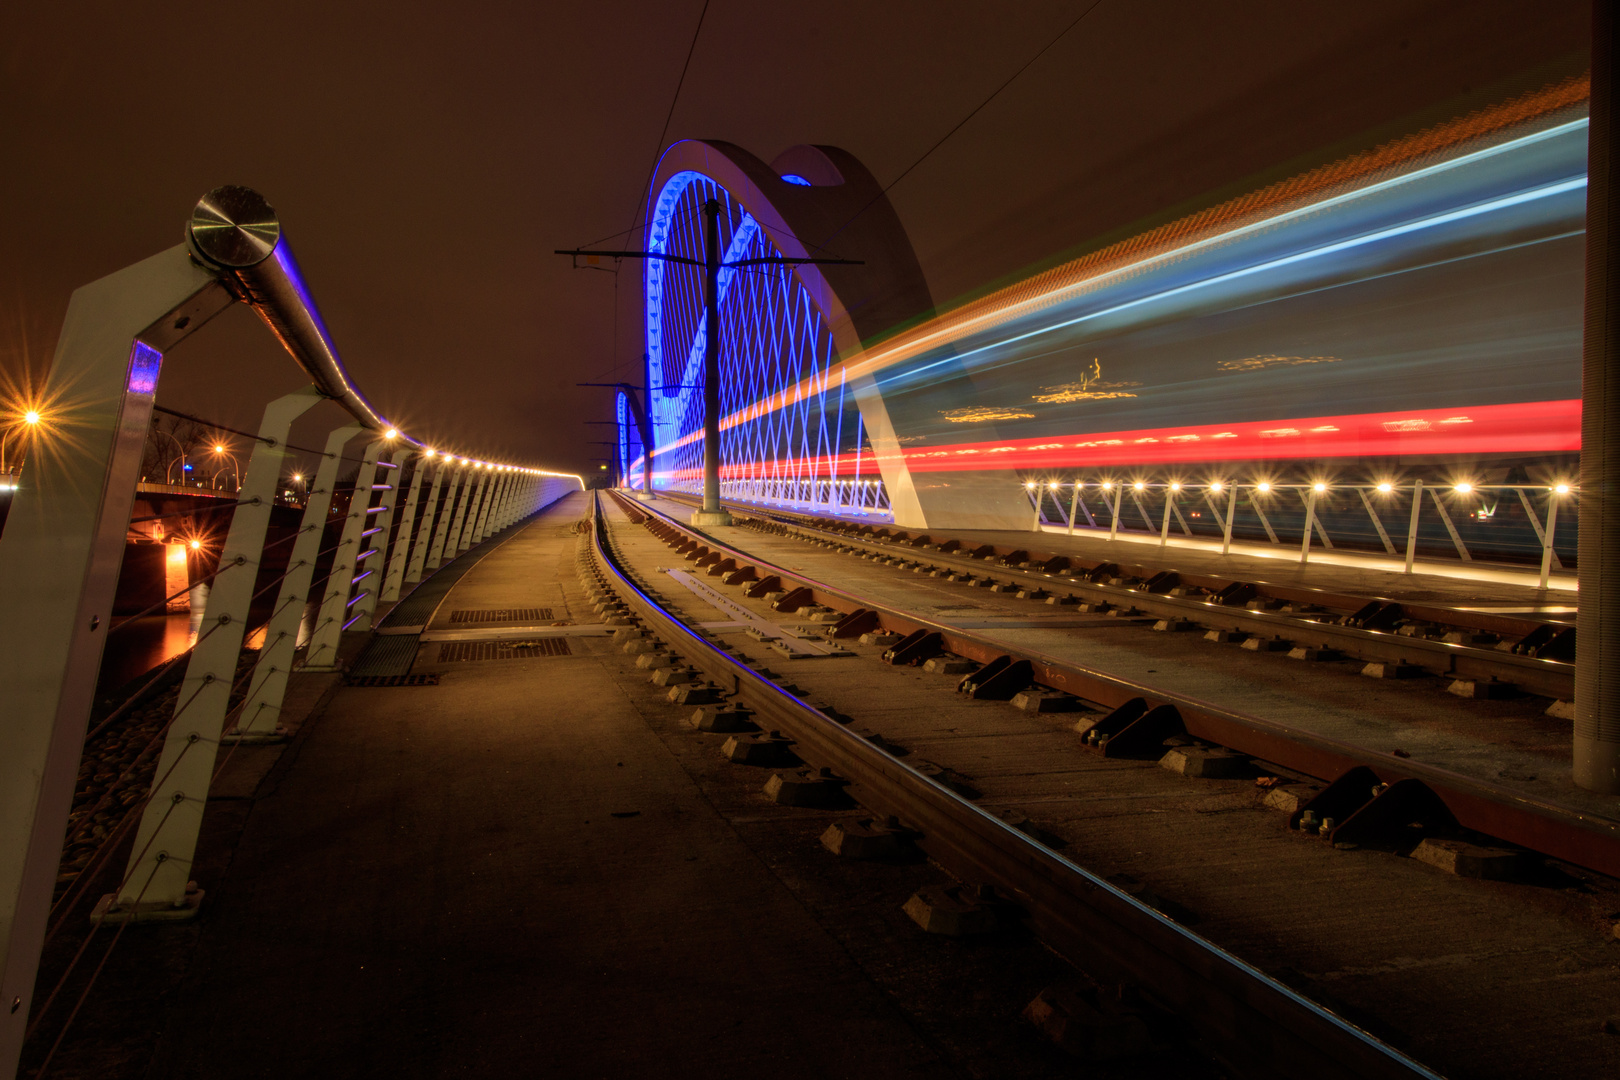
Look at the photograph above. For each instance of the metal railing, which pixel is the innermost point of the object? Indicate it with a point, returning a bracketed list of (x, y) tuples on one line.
[(1507, 522), (858, 498), (62, 547)]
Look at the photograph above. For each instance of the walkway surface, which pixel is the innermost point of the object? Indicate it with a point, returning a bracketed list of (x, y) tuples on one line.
[(508, 874)]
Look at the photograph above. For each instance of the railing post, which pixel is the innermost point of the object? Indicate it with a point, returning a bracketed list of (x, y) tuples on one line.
[(425, 531), (165, 842), (322, 654), (1412, 529), (407, 532), (1377, 524), (1231, 509), (450, 522), (1113, 520), (475, 506), (492, 521), (1074, 504), (1547, 542), (1164, 527), (1310, 523), (363, 604), (491, 493), (261, 709), (59, 564)]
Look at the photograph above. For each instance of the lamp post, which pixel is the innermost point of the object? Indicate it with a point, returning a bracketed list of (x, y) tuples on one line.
[(236, 472), (30, 420)]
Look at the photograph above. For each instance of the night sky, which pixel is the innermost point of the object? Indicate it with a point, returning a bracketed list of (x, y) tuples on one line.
[(425, 159)]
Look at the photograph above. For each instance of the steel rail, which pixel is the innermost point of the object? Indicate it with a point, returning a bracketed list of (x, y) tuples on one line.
[(1562, 832), (1254, 1022), (1538, 675)]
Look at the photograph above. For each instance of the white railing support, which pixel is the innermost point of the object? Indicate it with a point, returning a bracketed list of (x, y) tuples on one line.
[(1310, 520), (1226, 532), (407, 534), (475, 506), (424, 532), (1389, 546), (1462, 549), (261, 709), (322, 654), (455, 506), (160, 863), (1547, 553), (1412, 527), (373, 571), (59, 562)]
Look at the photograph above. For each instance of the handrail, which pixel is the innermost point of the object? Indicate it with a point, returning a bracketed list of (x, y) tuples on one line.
[(234, 231)]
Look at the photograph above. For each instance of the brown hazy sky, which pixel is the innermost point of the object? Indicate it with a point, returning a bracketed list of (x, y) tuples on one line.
[(426, 158)]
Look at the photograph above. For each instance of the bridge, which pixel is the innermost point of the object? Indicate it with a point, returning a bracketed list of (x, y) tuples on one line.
[(1154, 645)]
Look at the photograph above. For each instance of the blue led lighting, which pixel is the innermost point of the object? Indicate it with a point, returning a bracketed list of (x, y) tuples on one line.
[(774, 335), (796, 179), (144, 364)]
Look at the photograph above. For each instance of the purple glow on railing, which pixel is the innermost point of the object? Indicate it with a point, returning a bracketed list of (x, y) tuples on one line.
[(145, 363)]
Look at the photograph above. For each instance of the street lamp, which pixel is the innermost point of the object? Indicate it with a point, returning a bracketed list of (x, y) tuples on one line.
[(30, 420), (220, 451)]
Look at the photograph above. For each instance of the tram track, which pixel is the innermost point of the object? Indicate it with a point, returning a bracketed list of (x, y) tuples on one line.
[(1246, 1018), (1490, 810), (1504, 652)]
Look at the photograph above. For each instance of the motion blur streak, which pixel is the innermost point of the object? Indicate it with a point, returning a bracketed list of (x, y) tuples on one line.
[(1433, 277)]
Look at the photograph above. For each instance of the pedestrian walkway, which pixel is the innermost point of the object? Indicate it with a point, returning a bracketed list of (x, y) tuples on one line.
[(508, 874)]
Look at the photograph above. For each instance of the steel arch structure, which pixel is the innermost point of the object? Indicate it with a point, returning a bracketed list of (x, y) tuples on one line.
[(797, 431)]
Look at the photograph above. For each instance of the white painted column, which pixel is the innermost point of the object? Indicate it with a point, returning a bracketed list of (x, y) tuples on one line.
[(59, 561), (450, 523), (424, 533), (166, 841), (261, 709), (407, 534), (322, 654), (493, 512)]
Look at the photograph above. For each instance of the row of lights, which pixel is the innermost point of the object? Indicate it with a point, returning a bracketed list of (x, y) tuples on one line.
[(1384, 487)]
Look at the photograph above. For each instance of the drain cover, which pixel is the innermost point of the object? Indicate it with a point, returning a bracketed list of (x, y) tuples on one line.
[(393, 680), (492, 615), (503, 650)]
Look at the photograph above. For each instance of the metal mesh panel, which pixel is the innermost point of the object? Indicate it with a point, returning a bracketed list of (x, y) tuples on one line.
[(453, 651)]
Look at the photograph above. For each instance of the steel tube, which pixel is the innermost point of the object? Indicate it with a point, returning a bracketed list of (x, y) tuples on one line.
[(234, 231)]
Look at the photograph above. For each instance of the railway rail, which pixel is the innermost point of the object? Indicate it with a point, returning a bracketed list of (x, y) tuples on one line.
[(1249, 1020), (1141, 716), (1500, 652)]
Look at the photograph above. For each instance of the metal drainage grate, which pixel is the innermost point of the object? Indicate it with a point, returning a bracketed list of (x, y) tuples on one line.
[(503, 650), (526, 614), (394, 680)]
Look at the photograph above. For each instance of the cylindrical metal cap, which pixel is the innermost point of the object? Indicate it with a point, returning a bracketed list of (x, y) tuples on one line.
[(233, 228)]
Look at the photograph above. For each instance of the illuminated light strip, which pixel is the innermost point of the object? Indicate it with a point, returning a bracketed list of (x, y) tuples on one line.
[(949, 330), (1524, 427), (1545, 192)]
